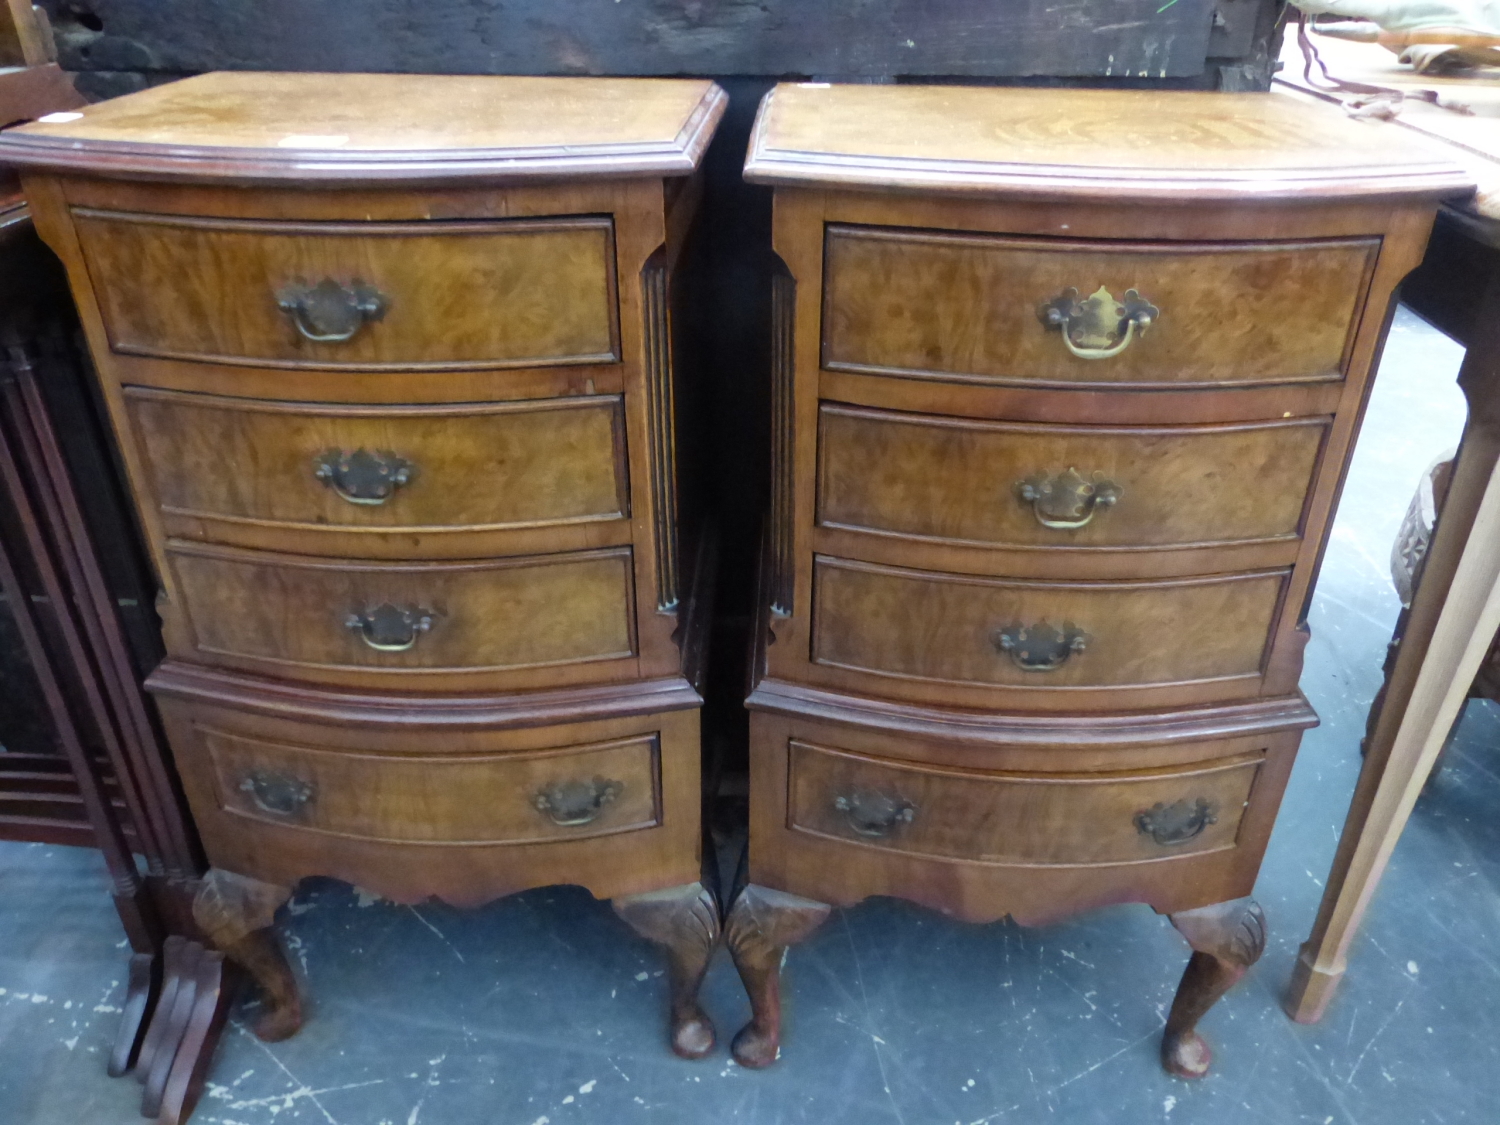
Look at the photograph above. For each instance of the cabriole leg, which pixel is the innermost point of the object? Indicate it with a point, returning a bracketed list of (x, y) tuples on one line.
[(1227, 938), (684, 920), (761, 924), (235, 914)]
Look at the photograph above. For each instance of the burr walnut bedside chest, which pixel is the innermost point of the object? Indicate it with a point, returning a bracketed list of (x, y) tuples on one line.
[(389, 362), (1065, 384)]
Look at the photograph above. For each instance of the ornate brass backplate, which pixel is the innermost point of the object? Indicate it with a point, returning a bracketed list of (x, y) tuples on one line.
[(328, 312), (363, 477), (278, 793), (1178, 822), (872, 813), (1067, 500), (576, 801), (390, 628), (1042, 647), (1098, 326)]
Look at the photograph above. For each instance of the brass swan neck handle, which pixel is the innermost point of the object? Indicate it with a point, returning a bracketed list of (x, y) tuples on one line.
[(330, 312), (1098, 326)]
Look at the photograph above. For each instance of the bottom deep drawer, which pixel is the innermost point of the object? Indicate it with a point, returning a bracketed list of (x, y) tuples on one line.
[(1019, 819), (509, 798), (465, 799)]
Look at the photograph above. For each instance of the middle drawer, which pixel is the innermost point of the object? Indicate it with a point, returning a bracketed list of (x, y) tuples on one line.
[(966, 482), (464, 479), (477, 624)]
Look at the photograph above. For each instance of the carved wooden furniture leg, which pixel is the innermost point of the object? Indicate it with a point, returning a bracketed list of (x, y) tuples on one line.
[(761, 924), (1227, 938), (685, 920), (235, 914)]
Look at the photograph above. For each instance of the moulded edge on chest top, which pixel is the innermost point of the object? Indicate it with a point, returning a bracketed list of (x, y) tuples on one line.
[(1084, 145), (245, 127)]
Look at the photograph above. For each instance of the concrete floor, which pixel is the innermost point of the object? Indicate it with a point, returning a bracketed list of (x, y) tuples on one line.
[(543, 1010)]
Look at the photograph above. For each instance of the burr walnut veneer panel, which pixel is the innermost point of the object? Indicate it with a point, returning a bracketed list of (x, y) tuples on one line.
[(913, 625), (411, 479), (1040, 819), (382, 806), (945, 305), (421, 798), (991, 836), (964, 481), (445, 294), (487, 621)]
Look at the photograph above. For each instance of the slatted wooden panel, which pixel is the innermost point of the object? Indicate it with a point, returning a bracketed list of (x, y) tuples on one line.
[(40, 798)]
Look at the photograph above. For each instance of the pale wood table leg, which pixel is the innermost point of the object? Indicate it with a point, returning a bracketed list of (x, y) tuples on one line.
[(1454, 617)]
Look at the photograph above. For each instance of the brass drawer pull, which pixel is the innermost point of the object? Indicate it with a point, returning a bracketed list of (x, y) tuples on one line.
[(575, 802), (1098, 326), (1041, 647), (1068, 500), (390, 628), (1178, 822), (330, 313), (277, 793), (874, 814), (362, 477)]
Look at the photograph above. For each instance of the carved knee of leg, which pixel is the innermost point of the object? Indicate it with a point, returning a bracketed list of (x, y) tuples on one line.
[(235, 914)]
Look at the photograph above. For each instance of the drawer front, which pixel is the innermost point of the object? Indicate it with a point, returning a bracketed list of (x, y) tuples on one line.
[(367, 296), (351, 468), (1008, 818), (922, 625), (436, 799), (956, 306), (998, 484), (309, 615)]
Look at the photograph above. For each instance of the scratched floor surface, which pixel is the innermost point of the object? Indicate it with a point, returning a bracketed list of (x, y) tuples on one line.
[(542, 1010)]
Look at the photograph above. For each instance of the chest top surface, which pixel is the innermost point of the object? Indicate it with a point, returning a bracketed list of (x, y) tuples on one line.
[(1095, 144), (245, 126)]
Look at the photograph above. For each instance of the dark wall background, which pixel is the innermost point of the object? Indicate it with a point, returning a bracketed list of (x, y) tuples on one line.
[(120, 44), (116, 46)]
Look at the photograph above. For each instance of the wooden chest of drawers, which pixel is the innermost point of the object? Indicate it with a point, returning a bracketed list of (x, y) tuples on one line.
[(1065, 384), (393, 385)]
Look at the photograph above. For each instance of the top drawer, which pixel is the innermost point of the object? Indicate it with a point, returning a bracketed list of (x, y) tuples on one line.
[(366, 296), (975, 308)]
